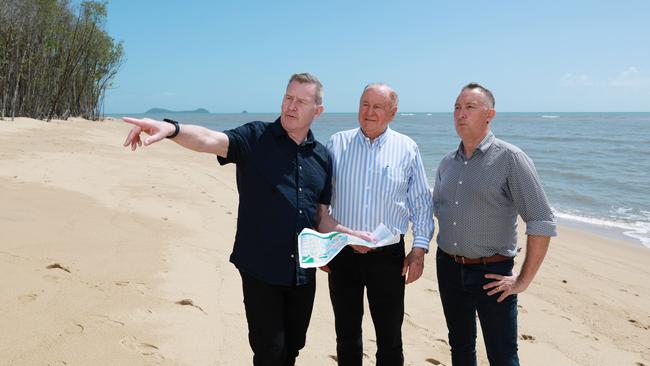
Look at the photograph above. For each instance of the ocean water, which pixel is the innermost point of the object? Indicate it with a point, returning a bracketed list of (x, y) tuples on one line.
[(595, 167)]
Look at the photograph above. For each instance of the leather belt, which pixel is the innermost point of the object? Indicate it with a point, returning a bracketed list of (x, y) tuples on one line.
[(484, 260)]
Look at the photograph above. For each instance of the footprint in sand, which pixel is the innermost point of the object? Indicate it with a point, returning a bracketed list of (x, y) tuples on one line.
[(433, 361), (146, 349), (74, 328), (25, 299), (189, 302), (637, 324), (140, 287), (57, 363), (588, 336), (526, 337), (58, 266), (103, 318), (521, 309)]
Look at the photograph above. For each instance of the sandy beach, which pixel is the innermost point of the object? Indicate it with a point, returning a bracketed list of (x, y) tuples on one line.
[(113, 257)]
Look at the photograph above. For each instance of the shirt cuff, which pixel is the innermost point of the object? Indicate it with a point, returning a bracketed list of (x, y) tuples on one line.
[(541, 228), (230, 155), (421, 242)]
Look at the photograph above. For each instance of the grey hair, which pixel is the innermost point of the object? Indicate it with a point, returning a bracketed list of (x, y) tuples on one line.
[(307, 78)]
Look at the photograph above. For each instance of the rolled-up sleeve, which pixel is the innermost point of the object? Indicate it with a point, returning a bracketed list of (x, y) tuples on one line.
[(529, 197)]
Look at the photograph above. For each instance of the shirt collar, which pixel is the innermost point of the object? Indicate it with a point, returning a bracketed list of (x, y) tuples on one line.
[(483, 146), (379, 141), (277, 130)]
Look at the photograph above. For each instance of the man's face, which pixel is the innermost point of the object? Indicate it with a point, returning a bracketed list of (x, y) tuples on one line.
[(299, 108), (472, 115), (375, 111)]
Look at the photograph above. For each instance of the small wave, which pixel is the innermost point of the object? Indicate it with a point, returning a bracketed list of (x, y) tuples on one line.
[(429, 114), (548, 116), (639, 230), (407, 114)]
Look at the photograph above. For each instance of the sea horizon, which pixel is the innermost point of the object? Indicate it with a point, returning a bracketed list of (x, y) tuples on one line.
[(588, 161)]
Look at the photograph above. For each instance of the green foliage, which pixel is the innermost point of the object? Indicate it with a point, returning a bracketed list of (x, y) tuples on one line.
[(55, 61)]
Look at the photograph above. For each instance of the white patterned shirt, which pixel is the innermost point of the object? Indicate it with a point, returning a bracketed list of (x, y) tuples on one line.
[(477, 199), (383, 182)]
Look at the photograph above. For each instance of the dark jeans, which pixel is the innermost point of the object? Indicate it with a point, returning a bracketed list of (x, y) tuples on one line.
[(463, 296), (381, 274), (278, 317)]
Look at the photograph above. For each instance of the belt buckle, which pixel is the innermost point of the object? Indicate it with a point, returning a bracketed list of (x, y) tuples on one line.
[(462, 259)]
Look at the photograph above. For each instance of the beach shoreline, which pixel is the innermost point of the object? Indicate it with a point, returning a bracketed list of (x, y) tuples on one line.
[(117, 257)]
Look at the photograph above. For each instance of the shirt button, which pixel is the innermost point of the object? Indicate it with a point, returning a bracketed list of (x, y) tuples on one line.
[(300, 189), (300, 212), (456, 202), (300, 167), (292, 256), (454, 223), (455, 244), (465, 163), (460, 182)]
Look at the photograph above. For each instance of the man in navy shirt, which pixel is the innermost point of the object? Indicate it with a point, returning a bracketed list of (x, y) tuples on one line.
[(284, 184)]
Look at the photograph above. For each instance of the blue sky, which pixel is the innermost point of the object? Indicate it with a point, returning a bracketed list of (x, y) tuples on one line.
[(229, 56)]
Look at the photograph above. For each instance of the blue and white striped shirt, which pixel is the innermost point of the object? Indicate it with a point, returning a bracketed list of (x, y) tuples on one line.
[(383, 182)]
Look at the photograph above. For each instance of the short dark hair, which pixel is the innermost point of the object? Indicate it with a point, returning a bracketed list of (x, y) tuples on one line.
[(488, 94), (307, 78)]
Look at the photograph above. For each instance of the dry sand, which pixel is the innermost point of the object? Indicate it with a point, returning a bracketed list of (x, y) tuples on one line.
[(109, 257)]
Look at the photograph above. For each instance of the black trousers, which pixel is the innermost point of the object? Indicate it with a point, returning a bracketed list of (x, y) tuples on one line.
[(278, 317), (381, 274)]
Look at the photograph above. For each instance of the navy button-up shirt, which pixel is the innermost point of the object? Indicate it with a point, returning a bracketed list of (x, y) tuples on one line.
[(280, 186)]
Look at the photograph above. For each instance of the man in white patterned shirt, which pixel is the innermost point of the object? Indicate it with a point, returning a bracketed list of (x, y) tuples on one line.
[(480, 188), (378, 177)]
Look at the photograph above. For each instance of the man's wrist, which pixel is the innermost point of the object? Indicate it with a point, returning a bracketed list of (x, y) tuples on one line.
[(421, 242), (420, 249), (177, 127)]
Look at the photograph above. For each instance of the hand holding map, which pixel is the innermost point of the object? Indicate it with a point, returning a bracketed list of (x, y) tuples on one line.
[(317, 249)]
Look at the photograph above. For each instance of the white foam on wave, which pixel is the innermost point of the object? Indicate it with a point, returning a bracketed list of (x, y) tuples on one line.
[(639, 230), (548, 116), (407, 114)]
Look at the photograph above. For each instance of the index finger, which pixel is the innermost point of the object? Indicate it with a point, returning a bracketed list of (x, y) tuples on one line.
[(134, 121), (495, 276)]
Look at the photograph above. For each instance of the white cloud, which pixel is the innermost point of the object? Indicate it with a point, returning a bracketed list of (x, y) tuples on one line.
[(630, 78), (570, 79)]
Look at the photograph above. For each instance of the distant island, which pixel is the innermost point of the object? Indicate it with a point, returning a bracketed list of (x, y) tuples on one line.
[(163, 110)]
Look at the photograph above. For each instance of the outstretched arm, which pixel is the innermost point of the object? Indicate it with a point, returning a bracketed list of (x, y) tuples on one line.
[(192, 137)]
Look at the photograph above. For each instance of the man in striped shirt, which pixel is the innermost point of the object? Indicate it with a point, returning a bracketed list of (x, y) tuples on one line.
[(480, 189), (378, 177)]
